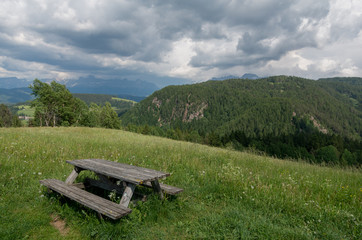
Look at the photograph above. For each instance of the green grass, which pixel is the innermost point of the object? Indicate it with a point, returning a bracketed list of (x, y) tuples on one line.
[(123, 99), (25, 110), (227, 194)]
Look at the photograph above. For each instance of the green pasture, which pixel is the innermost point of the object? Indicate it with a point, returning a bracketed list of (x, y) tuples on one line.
[(123, 100), (25, 110), (227, 194)]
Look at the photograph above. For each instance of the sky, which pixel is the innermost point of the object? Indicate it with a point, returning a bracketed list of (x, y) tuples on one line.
[(193, 40)]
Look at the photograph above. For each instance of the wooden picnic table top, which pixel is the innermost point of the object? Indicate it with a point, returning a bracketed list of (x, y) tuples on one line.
[(125, 172)]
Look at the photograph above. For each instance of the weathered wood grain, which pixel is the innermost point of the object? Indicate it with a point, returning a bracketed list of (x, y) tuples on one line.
[(127, 195), (73, 175), (79, 185), (101, 205), (133, 174), (156, 187)]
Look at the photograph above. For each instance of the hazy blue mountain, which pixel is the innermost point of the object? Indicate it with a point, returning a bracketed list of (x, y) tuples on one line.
[(13, 82), (245, 76), (250, 76), (92, 84), (15, 95)]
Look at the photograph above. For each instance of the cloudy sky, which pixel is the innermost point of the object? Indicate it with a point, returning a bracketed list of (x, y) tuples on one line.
[(188, 39)]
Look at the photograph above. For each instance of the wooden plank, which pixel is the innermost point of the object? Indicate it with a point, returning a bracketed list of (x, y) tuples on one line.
[(121, 171), (79, 185), (111, 172), (156, 187), (101, 205), (126, 166), (127, 195), (166, 188), (73, 175), (90, 200)]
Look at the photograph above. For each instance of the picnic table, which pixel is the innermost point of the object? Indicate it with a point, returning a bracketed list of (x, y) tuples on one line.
[(113, 176)]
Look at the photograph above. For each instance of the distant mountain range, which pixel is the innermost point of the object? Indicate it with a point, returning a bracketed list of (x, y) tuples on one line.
[(14, 90), (92, 84), (245, 76), (15, 95), (13, 82)]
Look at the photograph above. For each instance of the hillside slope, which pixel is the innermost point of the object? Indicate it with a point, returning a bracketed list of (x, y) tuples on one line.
[(271, 106), (120, 105), (227, 194), (15, 95)]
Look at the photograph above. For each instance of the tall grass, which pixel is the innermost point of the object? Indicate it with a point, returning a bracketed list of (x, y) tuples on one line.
[(227, 194)]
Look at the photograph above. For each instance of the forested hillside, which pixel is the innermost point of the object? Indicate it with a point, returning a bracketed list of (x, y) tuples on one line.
[(255, 112), (349, 88), (120, 105)]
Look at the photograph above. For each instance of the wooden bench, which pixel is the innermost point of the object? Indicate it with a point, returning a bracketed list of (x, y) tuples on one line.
[(101, 205)]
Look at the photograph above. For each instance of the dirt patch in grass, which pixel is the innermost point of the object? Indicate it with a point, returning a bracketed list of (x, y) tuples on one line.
[(59, 224)]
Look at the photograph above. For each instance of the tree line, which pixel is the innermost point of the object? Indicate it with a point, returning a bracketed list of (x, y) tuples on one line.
[(55, 106), (311, 146), (7, 119)]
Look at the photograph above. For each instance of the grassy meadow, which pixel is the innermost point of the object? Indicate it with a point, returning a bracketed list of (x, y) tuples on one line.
[(25, 110), (227, 194)]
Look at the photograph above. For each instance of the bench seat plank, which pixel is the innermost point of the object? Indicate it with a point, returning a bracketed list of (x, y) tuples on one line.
[(165, 188), (101, 205)]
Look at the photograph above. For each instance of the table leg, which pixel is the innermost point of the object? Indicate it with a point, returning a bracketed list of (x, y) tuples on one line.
[(157, 188), (127, 194), (73, 175)]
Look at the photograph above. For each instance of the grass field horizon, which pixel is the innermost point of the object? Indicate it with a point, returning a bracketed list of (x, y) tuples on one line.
[(227, 194)]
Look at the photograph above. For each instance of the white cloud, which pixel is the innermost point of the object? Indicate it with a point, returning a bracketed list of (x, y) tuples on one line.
[(188, 39), (326, 65)]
